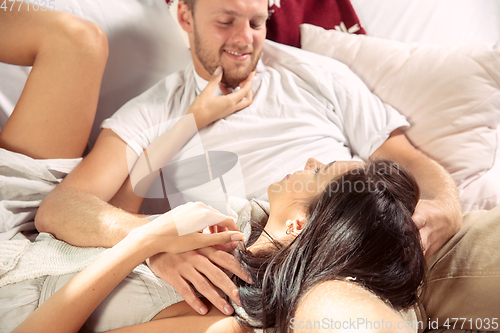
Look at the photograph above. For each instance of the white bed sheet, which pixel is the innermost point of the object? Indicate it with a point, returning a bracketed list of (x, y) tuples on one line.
[(431, 21)]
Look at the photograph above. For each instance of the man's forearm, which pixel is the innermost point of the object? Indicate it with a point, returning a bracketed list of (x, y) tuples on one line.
[(436, 184), (434, 181), (82, 219), (438, 214)]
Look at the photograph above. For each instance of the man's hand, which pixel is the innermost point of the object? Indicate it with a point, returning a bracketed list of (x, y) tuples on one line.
[(208, 108), (438, 214), (436, 223), (202, 269)]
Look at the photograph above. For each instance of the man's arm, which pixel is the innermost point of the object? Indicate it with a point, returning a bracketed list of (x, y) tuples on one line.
[(78, 213), (77, 210), (438, 214)]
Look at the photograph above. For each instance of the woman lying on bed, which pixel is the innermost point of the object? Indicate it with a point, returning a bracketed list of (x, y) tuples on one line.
[(338, 236)]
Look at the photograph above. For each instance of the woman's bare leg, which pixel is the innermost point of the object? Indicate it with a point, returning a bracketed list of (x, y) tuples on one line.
[(54, 115)]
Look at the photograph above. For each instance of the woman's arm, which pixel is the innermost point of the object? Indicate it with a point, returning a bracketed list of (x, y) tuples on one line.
[(70, 306), (56, 110), (213, 322), (205, 109), (78, 212)]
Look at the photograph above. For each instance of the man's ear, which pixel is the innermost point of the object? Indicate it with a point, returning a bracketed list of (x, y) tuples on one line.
[(185, 17)]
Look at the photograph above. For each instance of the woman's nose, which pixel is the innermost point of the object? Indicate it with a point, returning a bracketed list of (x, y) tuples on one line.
[(312, 163)]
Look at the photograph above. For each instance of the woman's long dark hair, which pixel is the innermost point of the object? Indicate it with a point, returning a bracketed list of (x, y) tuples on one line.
[(360, 227)]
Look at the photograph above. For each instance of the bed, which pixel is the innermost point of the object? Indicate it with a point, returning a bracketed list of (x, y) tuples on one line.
[(458, 131), (410, 58), (436, 61)]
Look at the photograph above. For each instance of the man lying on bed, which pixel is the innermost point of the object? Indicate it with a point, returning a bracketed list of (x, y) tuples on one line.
[(296, 105)]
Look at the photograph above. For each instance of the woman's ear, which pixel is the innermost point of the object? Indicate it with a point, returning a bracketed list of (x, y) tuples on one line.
[(301, 224), (185, 17), (294, 227)]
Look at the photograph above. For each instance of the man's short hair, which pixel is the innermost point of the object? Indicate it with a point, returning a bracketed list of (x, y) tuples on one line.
[(190, 4)]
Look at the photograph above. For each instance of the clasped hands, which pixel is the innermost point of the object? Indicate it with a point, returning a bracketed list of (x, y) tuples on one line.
[(186, 260)]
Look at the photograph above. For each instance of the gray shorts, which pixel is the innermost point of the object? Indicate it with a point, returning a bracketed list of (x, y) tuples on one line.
[(137, 299)]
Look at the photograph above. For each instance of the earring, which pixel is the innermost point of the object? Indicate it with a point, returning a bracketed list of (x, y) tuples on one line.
[(290, 226)]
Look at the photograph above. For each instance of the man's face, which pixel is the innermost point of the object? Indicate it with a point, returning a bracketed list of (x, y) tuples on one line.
[(229, 33)]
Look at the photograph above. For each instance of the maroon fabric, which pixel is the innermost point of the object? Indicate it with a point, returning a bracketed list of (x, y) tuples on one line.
[(283, 24)]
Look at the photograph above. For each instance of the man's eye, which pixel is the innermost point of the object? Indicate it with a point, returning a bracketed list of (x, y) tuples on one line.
[(224, 23), (257, 24)]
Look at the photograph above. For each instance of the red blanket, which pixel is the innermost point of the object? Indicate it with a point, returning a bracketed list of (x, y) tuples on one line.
[(287, 15)]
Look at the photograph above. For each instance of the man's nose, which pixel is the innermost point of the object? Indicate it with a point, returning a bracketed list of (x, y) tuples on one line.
[(244, 34)]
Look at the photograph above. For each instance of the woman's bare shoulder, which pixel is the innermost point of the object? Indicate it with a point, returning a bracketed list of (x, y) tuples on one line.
[(337, 306)]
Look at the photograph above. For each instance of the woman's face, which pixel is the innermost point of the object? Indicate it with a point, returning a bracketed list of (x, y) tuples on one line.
[(311, 181)]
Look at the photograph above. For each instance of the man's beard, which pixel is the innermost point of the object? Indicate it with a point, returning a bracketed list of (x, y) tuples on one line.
[(230, 78)]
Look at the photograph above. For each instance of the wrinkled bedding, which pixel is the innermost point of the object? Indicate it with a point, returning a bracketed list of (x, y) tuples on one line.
[(24, 183)]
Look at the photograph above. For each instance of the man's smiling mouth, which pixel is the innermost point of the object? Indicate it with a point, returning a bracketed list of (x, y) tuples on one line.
[(235, 53)]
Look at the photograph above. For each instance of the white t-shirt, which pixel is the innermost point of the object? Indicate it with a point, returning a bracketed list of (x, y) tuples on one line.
[(305, 105)]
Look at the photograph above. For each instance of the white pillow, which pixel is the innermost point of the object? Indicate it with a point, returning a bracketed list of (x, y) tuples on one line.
[(145, 45), (450, 95), (431, 21)]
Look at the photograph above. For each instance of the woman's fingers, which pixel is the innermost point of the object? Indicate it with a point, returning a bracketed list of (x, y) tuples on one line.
[(240, 98), (228, 247), (244, 96), (227, 224), (245, 90), (198, 240), (197, 216), (213, 82), (247, 100), (208, 108), (204, 240)]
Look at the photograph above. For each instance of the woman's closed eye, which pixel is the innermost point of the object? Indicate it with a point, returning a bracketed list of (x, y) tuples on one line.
[(324, 168)]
